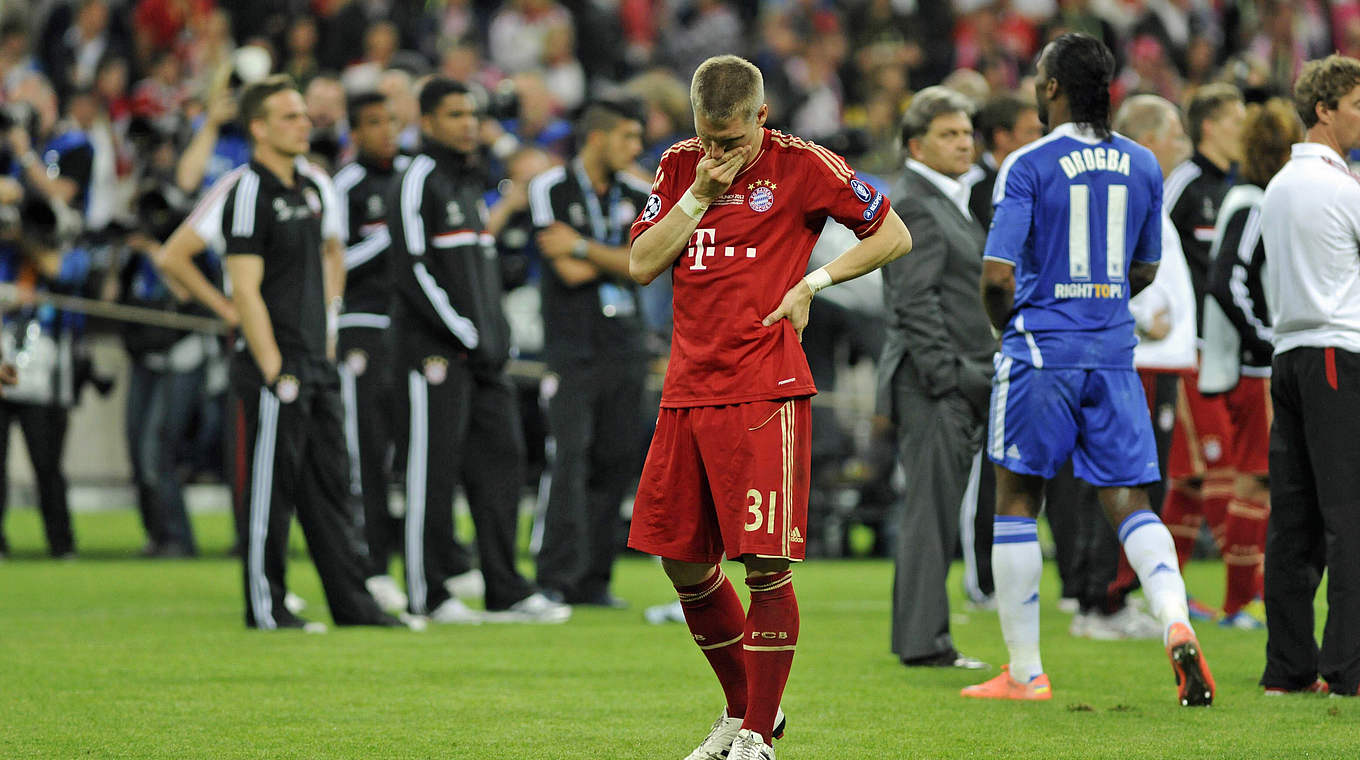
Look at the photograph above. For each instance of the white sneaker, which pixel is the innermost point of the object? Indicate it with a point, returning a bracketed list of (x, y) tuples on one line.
[(386, 593), (417, 623), (1081, 625), (1069, 605), (294, 603), (469, 585), (534, 608), (314, 627), (750, 745), (454, 611), (718, 743), (665, 613), (1127, 623)]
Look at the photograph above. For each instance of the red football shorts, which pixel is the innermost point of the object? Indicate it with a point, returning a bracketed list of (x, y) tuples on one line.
[(726, 480), (1250, 412), (1203, 434)]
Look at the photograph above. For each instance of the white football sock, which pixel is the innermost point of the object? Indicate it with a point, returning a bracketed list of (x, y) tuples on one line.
[(1017, 565), (1152, 553)]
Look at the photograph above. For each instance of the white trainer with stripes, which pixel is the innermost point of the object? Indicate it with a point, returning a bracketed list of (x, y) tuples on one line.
[(534, 608), (750, 745), (386, 593), (718, 744), (454, 611)]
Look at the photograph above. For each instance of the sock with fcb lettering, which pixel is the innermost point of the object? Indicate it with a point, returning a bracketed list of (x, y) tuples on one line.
[(771, 634), (1017, 564), (1243, 554), (1152, 553), (716, 620), (1183, 514)]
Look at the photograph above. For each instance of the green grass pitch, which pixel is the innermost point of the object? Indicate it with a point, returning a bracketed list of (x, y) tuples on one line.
[(111, 657)]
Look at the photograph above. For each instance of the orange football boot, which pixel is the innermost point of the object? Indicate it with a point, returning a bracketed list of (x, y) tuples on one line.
[(1005, 687), (1194, 682)]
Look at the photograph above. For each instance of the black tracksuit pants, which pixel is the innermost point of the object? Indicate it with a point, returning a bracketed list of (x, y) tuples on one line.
[(295, 460), (464, 427), (593, 417), (44, 429), (1314, 519), (372, 410)]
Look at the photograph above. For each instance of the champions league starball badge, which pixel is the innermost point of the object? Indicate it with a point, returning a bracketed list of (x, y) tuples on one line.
[(652, 208), (862, 190), (761, 197)]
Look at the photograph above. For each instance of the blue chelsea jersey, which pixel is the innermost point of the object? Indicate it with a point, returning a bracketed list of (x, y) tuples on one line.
[(1072, 213)]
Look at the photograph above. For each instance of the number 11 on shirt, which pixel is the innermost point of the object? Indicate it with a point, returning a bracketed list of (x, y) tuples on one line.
[(1079, 232)]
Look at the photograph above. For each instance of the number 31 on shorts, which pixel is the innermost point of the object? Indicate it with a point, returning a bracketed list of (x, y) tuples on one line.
[(759, 519)]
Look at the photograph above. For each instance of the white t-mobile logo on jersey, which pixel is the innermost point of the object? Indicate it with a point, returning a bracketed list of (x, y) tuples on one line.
[(699, 248)]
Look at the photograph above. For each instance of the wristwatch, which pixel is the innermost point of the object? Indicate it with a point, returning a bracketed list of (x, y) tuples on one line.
[(579, 250)]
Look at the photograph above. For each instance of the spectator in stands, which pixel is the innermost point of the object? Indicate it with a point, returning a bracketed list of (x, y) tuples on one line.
[(71, 60), (301, 63), (519, 31), (708, 28)]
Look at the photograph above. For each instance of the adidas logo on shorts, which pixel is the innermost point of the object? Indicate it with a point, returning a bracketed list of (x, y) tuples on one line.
[(796, 536)]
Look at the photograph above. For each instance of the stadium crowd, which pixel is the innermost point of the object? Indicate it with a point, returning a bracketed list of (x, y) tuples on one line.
[(119, 118)]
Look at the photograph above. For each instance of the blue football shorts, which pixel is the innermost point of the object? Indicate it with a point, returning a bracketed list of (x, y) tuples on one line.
[(1098, 418)]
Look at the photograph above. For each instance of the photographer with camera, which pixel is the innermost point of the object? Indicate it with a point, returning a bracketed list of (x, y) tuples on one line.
[(43, 195), (167, 378)]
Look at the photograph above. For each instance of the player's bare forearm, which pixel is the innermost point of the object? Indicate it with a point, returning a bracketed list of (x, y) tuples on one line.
[(175, 260), (246, 272), (656, 249), (1141, 275), (333, 267), (998, 292), (892, 240)]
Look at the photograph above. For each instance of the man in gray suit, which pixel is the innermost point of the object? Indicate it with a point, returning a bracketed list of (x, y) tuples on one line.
[(936, 371)]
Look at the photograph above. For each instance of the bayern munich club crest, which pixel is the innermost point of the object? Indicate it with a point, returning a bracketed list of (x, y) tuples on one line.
[(862, 190), (761, 197), (357, 362)]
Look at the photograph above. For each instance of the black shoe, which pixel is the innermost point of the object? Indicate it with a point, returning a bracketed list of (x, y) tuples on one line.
[(950, 659), (602, 599), (174, 550)]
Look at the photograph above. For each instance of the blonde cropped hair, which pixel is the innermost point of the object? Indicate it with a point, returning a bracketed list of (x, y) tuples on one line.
[(726, 87)]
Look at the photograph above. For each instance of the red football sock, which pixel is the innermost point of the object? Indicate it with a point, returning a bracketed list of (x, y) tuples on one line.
[(716, 620), (1243, 555), (771, 634), (1217, 492), (1183, 514), (1261, 531)]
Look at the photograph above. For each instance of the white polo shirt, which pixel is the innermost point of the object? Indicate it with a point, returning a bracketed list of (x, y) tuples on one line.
[(1170, 292), (1310, 221)]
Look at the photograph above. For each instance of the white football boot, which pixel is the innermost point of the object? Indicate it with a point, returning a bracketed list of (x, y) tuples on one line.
[(724, 731), (750, 745)]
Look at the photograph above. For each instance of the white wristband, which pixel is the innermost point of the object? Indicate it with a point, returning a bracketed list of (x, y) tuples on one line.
[(818, 280), (690, 206)]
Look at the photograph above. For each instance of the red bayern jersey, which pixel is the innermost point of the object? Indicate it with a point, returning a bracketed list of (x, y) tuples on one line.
[(751, 246)]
